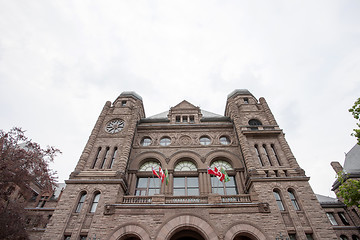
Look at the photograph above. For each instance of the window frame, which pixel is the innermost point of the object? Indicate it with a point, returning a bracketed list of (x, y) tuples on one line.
[(186, 187), (294, 200), (164, 141), (278, 199), (205, 140), (80, 202), (332, 219), (95, 202), (148, 188)]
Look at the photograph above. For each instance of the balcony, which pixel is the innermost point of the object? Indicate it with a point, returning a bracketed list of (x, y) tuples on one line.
[(210, 199)]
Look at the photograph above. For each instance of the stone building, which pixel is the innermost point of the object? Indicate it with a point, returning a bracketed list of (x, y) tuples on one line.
[(113, 194)]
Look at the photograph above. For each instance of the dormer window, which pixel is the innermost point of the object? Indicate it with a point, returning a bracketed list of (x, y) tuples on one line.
[(192, 119), (123, 103), (246, 100), (184, 118), (177, 119)]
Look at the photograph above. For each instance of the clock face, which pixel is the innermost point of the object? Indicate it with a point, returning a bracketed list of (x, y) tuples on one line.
[(114, 126)]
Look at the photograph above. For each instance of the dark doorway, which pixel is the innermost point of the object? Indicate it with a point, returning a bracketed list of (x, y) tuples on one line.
[(187, 235), (242, 237), (130, 237)]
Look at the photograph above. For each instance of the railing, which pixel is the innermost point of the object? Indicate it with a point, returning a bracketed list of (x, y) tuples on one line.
[(243, 198), (235, 198), (137, 200), (186, 200)]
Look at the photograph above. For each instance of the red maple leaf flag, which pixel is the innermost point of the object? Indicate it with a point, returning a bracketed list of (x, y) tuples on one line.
[(217, 173), (155, 173)]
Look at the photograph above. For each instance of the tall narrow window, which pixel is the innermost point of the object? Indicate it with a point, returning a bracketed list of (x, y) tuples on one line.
[(95, 202), (97, 158), (191, 118), (104, 159), (267, 155), (278, 200), (246, 100), (293, 200), (276, 156), (81, 202), (343, 218), (113, 158), (258, 155), (331, 218)]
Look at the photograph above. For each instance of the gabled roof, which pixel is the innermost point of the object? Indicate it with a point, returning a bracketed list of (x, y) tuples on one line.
[(184, 105)]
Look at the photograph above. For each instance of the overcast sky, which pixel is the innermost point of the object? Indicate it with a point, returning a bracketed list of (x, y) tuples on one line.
[(60, 61)]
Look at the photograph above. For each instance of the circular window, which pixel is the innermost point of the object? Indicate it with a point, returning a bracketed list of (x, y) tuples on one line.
[(165, 141), (146, 141), (114, 126), (205, 140), (224, 140)]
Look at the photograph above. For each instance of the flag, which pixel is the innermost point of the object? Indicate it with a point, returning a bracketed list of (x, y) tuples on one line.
[(166, 177), (155, 173), (226, 177), (162, 174), (217, 173)]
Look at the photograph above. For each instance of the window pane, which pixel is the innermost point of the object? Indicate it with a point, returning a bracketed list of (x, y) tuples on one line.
[(193, 191), (179, 192), (231, 191), (192, 182), (142, 183), (165, 141), (153, 191), (179, 182), (149, 165), (331, 218)]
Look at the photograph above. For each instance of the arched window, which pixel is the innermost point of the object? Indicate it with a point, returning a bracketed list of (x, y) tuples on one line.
[(185, 166), (278, 200), (148, 185), (258, 155), (149, 165), (113, 158), (274, 152), (343, 237), (293, 200), (223, 188), (95, 202), (81, 202), (221, 164), (104, 159), (267, 155), (254, 122), (354, 237), (96, 158)]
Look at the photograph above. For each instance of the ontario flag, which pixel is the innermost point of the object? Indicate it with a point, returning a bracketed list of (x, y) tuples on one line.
[(217, 173)]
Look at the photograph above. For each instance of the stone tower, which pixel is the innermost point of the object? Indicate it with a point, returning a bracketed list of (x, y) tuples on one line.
[(113, 193)]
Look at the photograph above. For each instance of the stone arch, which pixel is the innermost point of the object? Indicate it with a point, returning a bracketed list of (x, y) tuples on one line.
[(141, 158), (186, 221), (130, 229), (246, 229), (233, 159), (174, 159)]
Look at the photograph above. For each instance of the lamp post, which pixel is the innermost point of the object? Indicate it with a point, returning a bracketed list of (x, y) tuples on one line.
[(281, 237)]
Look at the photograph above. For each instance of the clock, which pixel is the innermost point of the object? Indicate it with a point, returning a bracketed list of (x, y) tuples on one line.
[(115, 126)]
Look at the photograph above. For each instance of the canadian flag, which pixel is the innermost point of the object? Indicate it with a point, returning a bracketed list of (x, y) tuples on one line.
[(217, 173)]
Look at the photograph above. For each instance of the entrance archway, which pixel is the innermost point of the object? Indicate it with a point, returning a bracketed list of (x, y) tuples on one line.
[(187, 234)]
